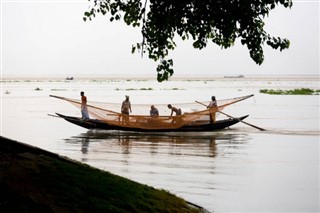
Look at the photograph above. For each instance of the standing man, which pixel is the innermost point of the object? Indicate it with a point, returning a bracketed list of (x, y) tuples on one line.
[(125, 109), (212, 104), (126, 106), (84, 109)]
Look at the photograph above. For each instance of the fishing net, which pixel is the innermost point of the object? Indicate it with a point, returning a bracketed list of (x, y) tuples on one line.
[(192, 113)]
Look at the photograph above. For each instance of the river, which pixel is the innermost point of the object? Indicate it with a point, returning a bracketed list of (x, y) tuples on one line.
[(241, 169)]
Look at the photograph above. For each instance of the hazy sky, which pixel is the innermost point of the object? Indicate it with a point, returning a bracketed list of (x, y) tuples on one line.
[(50, 38)]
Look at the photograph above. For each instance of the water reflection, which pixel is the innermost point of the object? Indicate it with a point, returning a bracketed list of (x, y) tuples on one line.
[(209, 169), (191, 144), (195, 166), (85, 145)]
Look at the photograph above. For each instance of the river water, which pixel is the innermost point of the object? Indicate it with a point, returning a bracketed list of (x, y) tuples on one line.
[(240, 169)]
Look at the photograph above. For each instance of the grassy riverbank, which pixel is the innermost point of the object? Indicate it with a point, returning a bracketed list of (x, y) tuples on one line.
[(302, 91), (34, 180)]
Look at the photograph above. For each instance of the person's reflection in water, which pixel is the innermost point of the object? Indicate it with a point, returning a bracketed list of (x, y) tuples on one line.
[(84, 148), (85, 145), (213, 147), (124, 141)]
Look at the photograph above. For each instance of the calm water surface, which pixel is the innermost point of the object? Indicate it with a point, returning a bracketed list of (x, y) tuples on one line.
[(237, 170)]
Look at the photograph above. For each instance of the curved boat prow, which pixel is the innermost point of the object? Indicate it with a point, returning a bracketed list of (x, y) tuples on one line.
[(79, 121)]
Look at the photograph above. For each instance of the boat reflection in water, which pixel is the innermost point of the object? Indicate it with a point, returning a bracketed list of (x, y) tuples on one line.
[(205, 144)]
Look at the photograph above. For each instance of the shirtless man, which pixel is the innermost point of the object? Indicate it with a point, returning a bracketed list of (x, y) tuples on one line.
[(174, 109), (84, 109)]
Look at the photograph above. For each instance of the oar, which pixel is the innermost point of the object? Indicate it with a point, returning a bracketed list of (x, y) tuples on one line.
[(235, 118)]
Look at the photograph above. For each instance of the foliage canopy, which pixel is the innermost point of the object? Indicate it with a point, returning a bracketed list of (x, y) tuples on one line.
[(219, 21)]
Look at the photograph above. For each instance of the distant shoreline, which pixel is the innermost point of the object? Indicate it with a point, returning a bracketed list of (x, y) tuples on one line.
[(174, 78)]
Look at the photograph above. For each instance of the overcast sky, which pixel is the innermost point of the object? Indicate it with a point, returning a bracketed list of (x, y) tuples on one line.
[(40, 38)]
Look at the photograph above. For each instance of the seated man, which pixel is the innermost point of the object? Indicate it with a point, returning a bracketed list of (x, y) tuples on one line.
[(154, 112)]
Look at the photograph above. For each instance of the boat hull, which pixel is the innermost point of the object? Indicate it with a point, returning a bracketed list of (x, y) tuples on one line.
[(98, 124)]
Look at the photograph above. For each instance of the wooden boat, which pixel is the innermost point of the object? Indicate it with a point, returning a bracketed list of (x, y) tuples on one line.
[(69, 78), (106, 117), (196, 127)]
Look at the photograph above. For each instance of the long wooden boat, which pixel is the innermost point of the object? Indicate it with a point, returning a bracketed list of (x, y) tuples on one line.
[(197, 117), (195, 127)]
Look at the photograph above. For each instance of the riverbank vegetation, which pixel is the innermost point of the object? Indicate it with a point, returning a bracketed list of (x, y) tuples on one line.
[(34, 180), (301, 91)]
